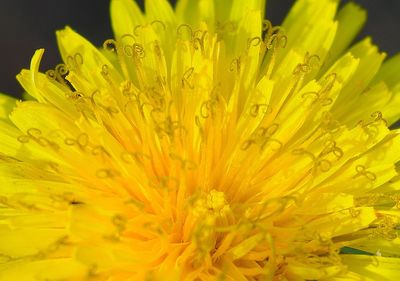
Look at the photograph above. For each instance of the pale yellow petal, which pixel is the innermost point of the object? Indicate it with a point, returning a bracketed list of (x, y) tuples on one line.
[(51, 269), (373, 268), (370, 61), (45, 88), (351, 19), (310, 27), (160, 10), (125, 16), (240, 9), (194, 12), (388, 74), (80, 56), (7, 104)]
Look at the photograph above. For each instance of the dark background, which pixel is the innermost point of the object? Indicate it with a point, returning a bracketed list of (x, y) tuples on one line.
[(26, 25)]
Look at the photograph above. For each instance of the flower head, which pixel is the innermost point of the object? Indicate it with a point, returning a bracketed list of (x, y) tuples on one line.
[(205, 144)]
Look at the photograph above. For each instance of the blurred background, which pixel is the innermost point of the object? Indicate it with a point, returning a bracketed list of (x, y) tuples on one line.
[(28, 25)]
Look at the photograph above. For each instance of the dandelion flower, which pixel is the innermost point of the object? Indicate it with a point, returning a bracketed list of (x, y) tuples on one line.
[(203, 143)]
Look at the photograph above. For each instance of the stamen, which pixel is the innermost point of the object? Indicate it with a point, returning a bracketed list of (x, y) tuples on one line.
[(263, 136), (253, 42), (226, 27), (110, 45), (23, 138), (128, 36), (107, 173), (199, 126), (100, 150), (362, 171), (378, 116), (255, 109), (59, 74), (208, 108), (330, 82), (74, 62), (119, 222), (104, 70), (330, 147), (396, 200), (75, 95), (235, 65), (159, 23), (137, 29), (185, 32), (276, 41), (165, 183), (185, 78), (354, 212), (199, 41), (82, 141), (323, 164), (385, 228), (137, 157), (309, 63), (246, 145), (139, 50)]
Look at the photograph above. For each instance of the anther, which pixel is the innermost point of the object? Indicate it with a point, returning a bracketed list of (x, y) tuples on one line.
[(362, 171), (106, 173), (100, 150), (82, 140), (246, 145), (137, 29), (62, 69), (23, 139), (34, 132), (156, 23), (139, 50), (75, 61), (186, 76), (255, 41), (235, 65), (354, 212), (110, 45), (181, 32), (255, 109)]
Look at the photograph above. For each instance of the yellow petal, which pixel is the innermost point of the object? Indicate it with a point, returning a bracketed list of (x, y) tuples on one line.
[(9, 134), (125, 16), (373, 268), (7, 103), (343, 222), (388, 73), (50, 269), (25, 116), (370, 61), (193, 12), (46, 88), (310, 26), (296, 271), (160, 10), (351, 19), (240, 9), (15, 245), (246, 246), (82, 57), (383, 247)]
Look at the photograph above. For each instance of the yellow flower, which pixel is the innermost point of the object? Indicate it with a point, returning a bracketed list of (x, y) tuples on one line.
[(205, 144)]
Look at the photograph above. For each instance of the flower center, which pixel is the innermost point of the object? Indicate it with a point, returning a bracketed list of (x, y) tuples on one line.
[(211, 206)]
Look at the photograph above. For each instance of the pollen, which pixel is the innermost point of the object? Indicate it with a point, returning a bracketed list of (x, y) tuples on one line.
[(212, 205), (216, 202)]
